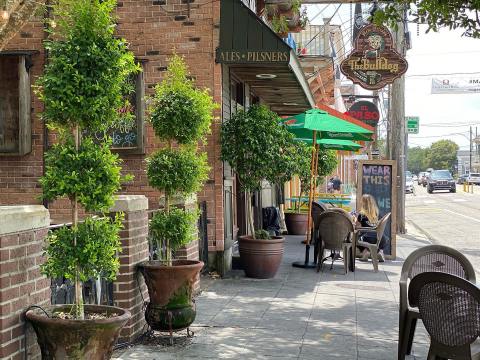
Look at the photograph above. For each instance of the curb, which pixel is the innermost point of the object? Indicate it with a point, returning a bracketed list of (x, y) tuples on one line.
[(423, 232)]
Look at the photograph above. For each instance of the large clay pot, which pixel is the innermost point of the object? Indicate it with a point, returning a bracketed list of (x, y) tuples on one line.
[(261, 258), (296, 223), (77, 339), (170, 288)]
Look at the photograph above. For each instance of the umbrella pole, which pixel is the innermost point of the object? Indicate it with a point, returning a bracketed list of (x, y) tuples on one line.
[(317, 147), (306, 263)]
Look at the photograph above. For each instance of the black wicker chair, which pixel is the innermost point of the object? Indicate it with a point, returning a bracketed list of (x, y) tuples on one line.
[(450, 309), (334, 233), (436, 258)]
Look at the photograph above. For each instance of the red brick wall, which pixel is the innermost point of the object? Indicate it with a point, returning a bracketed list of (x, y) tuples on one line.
[(126, 287), (154, 32), (21, 285), (18, 175)]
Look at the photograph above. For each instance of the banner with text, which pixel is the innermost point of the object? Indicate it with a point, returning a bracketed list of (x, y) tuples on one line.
[(456, 85)]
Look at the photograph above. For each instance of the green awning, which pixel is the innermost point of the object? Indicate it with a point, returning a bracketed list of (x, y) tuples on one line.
[(257, 56), (327, 127)]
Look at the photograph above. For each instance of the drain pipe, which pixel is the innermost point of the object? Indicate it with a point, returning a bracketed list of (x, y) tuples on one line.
[(46, 27)]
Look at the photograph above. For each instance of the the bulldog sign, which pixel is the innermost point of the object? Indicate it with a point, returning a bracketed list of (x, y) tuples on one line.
[(374, 62)]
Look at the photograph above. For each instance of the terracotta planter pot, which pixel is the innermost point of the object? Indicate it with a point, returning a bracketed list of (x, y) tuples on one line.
[(77, 339), (261, 258), (170, 288), (296, 223)]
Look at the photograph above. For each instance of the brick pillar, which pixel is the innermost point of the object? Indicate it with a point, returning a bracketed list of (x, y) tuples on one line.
[(22, 233), (126, 292)]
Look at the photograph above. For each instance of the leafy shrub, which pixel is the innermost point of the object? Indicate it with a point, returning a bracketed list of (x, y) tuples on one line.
[(94, 255), (177, 171), (178, 227), (88, 67), (92, 174), (180, 111), (83, 88), (262, 234)]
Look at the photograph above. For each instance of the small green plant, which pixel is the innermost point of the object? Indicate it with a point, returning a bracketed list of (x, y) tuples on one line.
[(82, 89), (179, 226), (303, 22), (95, 252), (180, 113), (280, 24), (262, 234)]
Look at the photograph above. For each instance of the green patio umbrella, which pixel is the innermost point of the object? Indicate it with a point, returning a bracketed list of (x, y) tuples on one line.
[(325, 125), (319, 125), (334, 144)]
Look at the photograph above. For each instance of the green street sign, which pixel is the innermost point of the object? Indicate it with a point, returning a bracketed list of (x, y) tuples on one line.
[(412, 123)]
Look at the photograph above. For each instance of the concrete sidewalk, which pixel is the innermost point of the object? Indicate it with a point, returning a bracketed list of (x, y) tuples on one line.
[(300, 314)]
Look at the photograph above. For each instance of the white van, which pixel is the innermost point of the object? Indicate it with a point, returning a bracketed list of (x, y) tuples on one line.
[(473, 178)]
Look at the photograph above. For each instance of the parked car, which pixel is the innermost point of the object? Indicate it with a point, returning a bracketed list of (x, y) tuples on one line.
[(409, 185), (474, 178), (462, 179), (440, 180), (422, 178)]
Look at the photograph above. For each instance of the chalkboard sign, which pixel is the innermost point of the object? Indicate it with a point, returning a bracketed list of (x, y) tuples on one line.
[(127, 135), (378, 178)]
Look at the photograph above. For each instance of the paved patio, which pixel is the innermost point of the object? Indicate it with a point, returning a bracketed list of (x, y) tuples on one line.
[(300, 314)]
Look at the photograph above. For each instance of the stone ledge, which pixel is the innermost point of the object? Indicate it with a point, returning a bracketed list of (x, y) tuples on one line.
[(14, 219), (130, 203)]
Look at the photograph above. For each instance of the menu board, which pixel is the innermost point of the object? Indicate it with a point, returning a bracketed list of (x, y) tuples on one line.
[(378, 178)]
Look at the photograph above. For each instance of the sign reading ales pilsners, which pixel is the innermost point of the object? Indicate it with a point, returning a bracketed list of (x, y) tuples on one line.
[(374, 62)]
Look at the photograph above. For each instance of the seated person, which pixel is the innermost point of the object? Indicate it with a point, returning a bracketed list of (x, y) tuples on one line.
[(368, 217)]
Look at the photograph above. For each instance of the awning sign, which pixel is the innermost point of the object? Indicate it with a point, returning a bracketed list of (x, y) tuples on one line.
[(456, 85)]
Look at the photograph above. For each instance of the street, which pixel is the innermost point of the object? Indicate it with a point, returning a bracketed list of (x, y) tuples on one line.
[(451, 219)]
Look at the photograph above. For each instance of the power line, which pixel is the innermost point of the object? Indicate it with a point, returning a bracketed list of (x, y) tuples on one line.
[(444, 74)]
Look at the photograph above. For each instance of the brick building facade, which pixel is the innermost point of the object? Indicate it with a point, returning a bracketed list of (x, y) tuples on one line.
[(154, 30)]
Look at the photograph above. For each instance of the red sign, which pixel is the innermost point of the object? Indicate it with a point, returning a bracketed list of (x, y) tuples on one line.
[(365, 111)]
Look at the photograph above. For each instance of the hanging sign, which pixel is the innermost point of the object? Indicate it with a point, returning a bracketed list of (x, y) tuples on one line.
[(374, 62), (365, 111)]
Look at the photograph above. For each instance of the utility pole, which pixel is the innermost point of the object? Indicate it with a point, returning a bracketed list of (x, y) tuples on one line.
[(470, 166), (397, 138)]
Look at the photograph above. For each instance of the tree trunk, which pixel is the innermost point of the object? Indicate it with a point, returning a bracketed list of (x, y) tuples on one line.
[(79, 309), (167, 240), (250, 224)]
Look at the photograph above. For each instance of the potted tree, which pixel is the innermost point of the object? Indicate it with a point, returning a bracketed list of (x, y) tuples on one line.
[(181, 116), (296, 219), (257, 148), (82, 92)]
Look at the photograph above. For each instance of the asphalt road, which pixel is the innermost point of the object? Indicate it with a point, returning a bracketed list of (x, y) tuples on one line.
[(451, 219)]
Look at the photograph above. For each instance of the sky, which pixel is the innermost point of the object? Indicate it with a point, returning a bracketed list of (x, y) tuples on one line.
[(445, 52)]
